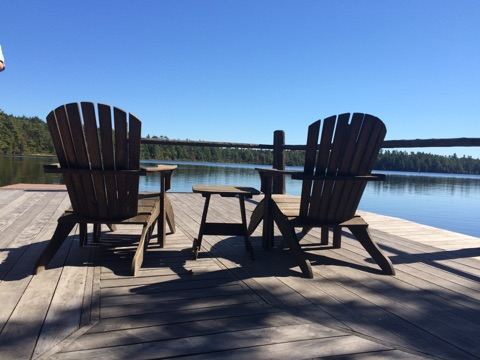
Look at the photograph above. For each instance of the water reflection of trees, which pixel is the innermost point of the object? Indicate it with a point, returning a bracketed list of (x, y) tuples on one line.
[(426, 185), (25, 169)]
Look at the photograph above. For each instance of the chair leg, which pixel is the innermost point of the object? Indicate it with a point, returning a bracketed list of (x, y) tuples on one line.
[(142, 247), (256, 217), (83, 234), (324, 235), (61, 232), (248, 244), (162, 222), (362, 234), (170, 215), (337, 237), (97, 229), (290, 237)]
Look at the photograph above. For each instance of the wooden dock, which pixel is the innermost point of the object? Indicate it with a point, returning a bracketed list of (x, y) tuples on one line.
[(225, 305)]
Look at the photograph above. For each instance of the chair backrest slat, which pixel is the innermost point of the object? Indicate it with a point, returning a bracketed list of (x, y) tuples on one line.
[(121, 153), (63, 150), (108, 159), (309, 166), (134, 138), (94, 152)]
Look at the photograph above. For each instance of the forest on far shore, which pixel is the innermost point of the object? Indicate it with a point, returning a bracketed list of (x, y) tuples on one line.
[(30, 136)]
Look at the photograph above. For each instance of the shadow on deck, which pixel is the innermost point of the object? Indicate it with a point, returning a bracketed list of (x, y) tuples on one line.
[(224, 305)]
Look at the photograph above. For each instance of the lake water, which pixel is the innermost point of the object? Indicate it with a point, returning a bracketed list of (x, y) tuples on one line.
[(445, 201)]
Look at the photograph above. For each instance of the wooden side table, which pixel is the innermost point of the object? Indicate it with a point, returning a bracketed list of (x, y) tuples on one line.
[(166, 211), (212, 228)]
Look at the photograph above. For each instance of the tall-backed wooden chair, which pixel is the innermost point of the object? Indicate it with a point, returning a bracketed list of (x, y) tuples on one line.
[(339, 158), (98, 149)]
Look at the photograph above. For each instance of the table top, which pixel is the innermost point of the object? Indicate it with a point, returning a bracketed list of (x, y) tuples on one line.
[(225, 190), (161, 167)]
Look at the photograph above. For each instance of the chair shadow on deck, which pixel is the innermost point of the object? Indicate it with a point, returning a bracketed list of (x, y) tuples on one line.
[(20, 261), (313, 253), (430, 258), (433, 259)]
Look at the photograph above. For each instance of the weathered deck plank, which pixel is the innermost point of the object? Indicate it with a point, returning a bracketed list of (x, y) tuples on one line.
[(226, 305), (65, 313)]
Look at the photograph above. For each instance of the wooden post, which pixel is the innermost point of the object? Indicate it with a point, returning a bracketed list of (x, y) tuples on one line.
[(278, 161)]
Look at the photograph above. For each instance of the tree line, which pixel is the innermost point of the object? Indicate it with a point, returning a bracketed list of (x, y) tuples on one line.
[(30, 136), (422, 162), (24, 136)]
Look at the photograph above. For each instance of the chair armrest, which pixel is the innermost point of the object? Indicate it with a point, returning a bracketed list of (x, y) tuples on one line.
[(274, 172), (267, 176), (164, 170), (57, 169), (372, 177), (51, 168)]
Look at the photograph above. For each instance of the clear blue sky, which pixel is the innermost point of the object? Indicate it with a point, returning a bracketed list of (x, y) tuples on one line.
[(224, 70)]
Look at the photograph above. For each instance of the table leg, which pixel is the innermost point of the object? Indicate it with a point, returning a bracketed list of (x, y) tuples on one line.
[(197, 243), (248, 244), (161, 223)]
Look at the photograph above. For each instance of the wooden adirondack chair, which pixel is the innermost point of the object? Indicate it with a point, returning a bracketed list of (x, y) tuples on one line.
[(100, 163), (335, 174)]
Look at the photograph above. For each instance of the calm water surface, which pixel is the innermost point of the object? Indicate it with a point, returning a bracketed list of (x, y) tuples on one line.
[(445, 201)]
